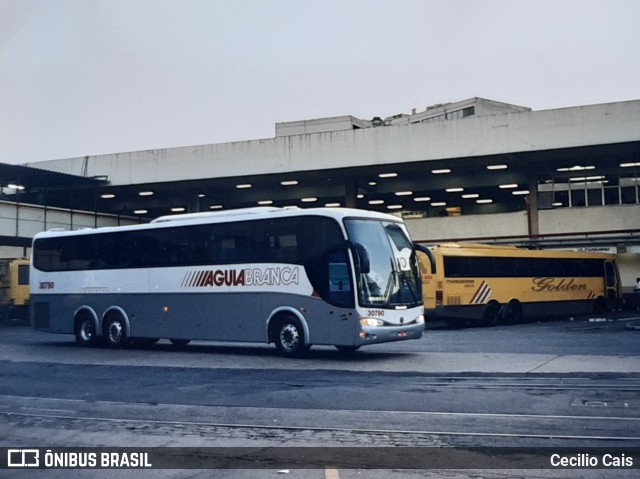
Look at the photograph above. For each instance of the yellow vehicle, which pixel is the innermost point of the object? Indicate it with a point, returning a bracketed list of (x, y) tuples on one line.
[(464, 283), (14, 288)]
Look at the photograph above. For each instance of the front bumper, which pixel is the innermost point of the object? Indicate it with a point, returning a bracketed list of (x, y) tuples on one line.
[(385, 334)]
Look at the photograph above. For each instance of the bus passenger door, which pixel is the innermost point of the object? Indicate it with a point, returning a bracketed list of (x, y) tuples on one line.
[(340, 291), (339, 325)]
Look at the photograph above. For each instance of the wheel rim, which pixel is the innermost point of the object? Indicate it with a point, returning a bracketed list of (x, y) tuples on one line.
[(86, 330), (289, 337), (115, 332)]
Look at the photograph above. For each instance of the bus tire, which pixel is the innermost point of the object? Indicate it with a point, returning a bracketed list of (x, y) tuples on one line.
[(289, 337), (511, 312), (85, 330), (490, 314), (115, 331), (180, 343)]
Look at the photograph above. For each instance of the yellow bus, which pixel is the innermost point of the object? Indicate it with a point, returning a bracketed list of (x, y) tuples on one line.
[(14, 288), (464, 283)]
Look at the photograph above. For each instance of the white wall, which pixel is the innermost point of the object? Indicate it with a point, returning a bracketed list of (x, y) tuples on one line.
[(474, 136)]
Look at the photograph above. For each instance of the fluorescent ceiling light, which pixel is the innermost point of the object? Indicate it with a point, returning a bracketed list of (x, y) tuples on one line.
[(265, 202), (332, 205), (145, 193), (15, 187), (483, 202), (422, 198), (107, 196), (441, 171), (140, 212), (404, 193), (373, 183), (471, 195), (394, 207), (587, 178), (388, 175), (520, 192), (439, 203), (629, 165), (497, 167), (454, 190), (376, 202), (309, 200), (215, 207), (178, 209), (244, 186), (289, 182), (510, 185), (577, 168)]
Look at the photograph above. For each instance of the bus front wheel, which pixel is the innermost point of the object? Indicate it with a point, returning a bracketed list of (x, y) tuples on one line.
[(289, 338), (115, 332)]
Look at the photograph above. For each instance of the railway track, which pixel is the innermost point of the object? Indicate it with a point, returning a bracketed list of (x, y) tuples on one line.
[(296, 427)]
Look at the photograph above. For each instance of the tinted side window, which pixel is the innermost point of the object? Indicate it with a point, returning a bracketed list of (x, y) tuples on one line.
[(285, 240), (495, 267)]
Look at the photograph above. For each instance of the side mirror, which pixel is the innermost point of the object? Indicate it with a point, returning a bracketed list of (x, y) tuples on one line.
[(428, 252)]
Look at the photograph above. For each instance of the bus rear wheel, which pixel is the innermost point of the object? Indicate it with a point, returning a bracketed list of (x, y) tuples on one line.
[(115, 332), (511, 312), (490, 314), (180, 342), (289, 338), (85, 331)]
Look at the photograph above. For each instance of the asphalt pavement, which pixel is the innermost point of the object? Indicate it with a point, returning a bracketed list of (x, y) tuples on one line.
[(54, 348)]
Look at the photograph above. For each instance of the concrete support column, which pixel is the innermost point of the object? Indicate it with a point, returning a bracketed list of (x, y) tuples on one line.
[(194, 205), (533, 221), (351, 193)]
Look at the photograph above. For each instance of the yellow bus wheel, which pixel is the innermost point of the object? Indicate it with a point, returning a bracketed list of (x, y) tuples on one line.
[(511, 312), (490, 314)]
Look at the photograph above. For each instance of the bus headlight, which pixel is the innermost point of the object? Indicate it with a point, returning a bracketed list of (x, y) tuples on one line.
[(371, 322), (420, 319)]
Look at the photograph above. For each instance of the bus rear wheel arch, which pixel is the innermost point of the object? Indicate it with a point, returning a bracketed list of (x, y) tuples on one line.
[(287, 333)]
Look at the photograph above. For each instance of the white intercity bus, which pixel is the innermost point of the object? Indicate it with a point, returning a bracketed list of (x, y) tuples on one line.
[(293, 277)]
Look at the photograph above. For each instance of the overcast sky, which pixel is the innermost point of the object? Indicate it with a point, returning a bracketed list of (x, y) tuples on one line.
[(87, 77)]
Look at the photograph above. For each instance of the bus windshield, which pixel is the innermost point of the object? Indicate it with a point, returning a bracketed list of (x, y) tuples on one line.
[(386, 266)]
